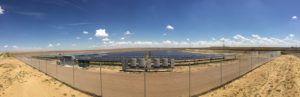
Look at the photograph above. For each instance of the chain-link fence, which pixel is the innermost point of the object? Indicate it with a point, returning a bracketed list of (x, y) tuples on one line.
[(193, 79)]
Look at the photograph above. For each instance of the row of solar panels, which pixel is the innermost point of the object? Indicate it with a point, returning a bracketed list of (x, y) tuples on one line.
[(120, 58)]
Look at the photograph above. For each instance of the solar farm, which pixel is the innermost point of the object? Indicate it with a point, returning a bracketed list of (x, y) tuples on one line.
[(158, 60)]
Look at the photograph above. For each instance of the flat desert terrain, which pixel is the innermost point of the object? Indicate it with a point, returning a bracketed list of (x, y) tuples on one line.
[(19, 80), (278, 78)]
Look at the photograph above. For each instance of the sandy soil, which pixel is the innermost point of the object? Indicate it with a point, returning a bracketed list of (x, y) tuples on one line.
[(19, 80), (278, 78)]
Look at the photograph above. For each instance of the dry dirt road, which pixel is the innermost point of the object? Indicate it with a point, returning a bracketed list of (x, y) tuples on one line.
[(278, 78), (19, 80)]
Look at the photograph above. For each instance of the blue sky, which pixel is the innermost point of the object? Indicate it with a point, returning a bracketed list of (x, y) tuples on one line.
[(63, 24)]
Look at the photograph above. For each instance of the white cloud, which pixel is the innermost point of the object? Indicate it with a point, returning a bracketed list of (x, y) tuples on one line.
[(1, 10), (58, 44), (294, 17), (85, 32), (213, 39), (236, 41), (5, 46), (239, 37), (15, 47), (291, 35), (169, 27), (105, 39), (50, 45), (167, 42), (77, 38), (101, 33), (188, 39), (127, 33), (91, 38), (122, 38), (255, 36)]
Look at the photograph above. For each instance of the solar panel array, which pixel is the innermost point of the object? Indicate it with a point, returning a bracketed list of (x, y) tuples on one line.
[(177, 55), (119, 56)]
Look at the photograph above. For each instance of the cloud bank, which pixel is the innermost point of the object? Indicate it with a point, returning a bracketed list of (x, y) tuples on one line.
[(236, 41)]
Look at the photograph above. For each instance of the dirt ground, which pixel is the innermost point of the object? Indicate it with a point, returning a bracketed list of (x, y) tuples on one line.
[(278, 78), (19, 80)]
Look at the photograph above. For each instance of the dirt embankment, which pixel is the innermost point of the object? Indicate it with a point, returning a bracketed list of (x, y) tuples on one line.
[(19, 80), (278, 78)]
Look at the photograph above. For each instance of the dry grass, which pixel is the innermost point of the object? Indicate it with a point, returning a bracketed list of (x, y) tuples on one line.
[(278, 78)]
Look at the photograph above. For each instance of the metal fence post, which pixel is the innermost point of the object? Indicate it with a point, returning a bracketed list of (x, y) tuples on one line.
[(73, 75), (258, 58), (46, 66), (31, 61), (251, 53), (145, 86), (100, 75), (239, 59), (39, 65), (221, 67), (190, 79), (56, 70), (270, 57)]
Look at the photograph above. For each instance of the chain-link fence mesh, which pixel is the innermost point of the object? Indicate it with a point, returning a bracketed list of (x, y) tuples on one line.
[(192, 79)]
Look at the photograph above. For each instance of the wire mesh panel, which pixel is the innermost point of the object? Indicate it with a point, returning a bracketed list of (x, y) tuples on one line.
[(264, 57), (28, 60), (43, 66), (168, 84), (205, 77), (245, 63), (122, 84), (25, 59), (65, 74), (274, 55), (229, 70), (192, 77), (51, 68), (36, 63), (270, 55), (255, 59), (88, 80)]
